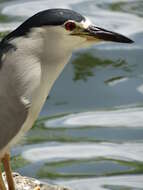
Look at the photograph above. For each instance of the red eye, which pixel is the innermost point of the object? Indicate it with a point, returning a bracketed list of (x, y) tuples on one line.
[(70, 26)]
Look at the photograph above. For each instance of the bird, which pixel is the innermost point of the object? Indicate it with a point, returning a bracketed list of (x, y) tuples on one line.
[(31, 58)]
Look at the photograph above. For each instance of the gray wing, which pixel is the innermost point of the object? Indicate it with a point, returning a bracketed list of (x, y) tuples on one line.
[(13, 111), (13, 114), (20, 75)]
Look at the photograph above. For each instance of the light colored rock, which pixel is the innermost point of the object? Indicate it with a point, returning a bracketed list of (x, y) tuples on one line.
[(26, 183)]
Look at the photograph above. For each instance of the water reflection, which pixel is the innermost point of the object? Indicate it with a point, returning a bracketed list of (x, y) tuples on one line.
[(75, 168), (128, 182), (133, 7), (85, 65)]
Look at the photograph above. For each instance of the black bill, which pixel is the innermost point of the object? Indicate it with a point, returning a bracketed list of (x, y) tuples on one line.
[(105, 35)]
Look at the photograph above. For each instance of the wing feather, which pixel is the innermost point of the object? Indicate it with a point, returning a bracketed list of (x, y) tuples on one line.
[(17, 82)]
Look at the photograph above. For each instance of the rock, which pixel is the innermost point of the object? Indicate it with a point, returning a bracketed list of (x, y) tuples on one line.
[(26, 183)]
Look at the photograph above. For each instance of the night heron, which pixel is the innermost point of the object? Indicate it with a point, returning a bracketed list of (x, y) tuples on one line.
[(31, 59)]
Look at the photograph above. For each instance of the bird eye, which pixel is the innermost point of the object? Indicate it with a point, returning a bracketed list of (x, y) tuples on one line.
[(70, 26)]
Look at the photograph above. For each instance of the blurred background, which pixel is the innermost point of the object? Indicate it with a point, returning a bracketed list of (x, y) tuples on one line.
[(89, 134)]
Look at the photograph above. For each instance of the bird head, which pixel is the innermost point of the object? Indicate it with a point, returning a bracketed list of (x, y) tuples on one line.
[(64, 30)]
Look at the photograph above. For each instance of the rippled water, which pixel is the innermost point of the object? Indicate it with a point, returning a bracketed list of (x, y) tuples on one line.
[(90, 132)]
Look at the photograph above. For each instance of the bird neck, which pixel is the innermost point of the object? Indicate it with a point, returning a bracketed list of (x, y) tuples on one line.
[(51, 69), (53, 57)]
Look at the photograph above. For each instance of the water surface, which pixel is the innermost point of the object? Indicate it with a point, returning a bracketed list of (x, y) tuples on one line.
[(89, 134)]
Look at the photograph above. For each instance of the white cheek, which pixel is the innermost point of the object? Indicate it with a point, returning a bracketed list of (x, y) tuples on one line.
[(86, 23), (77, 42)]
